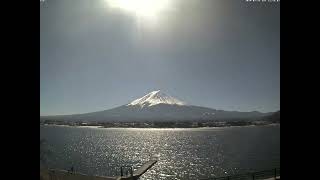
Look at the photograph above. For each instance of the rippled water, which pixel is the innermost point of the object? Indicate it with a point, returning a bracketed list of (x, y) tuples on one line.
[(182, 153)]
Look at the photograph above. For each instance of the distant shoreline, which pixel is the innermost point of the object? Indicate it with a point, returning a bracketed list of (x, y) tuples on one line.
[(210, 127)]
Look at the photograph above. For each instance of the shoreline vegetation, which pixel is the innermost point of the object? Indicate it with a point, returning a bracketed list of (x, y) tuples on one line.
[(160, 124)]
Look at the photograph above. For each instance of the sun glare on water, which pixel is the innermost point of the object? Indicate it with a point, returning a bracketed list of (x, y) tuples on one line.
[(148, 9)]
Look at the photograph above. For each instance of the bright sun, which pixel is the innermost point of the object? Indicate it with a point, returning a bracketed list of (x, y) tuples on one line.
[(142, 8)]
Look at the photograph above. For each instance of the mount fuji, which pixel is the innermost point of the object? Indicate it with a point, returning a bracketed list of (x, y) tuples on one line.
[(158, 106), (155, 98)]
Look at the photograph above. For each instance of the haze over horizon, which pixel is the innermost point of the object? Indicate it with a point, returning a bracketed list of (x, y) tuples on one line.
[(218, 54)]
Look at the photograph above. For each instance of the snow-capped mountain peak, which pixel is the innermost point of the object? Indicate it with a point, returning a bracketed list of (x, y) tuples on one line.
[(154, 98)]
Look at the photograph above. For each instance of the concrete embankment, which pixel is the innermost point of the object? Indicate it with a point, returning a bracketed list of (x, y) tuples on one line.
[(65, 175), (52, 174)]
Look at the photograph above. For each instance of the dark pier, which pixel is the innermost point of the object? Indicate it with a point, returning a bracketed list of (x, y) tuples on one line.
[(139, 172)]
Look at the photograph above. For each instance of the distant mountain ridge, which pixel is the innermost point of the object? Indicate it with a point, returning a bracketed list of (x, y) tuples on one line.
[(158, 106)]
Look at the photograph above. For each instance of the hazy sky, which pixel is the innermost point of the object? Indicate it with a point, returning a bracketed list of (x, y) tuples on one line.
[(223, 54)]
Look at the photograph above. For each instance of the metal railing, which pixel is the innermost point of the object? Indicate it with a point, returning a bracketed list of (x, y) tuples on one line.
[(272, 173)]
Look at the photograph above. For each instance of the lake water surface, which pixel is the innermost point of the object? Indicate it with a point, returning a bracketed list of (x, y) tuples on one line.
[(182, 153)]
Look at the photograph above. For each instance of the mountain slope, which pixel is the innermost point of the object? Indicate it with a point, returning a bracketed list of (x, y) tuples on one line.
[(157, 106), (274, 117)]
